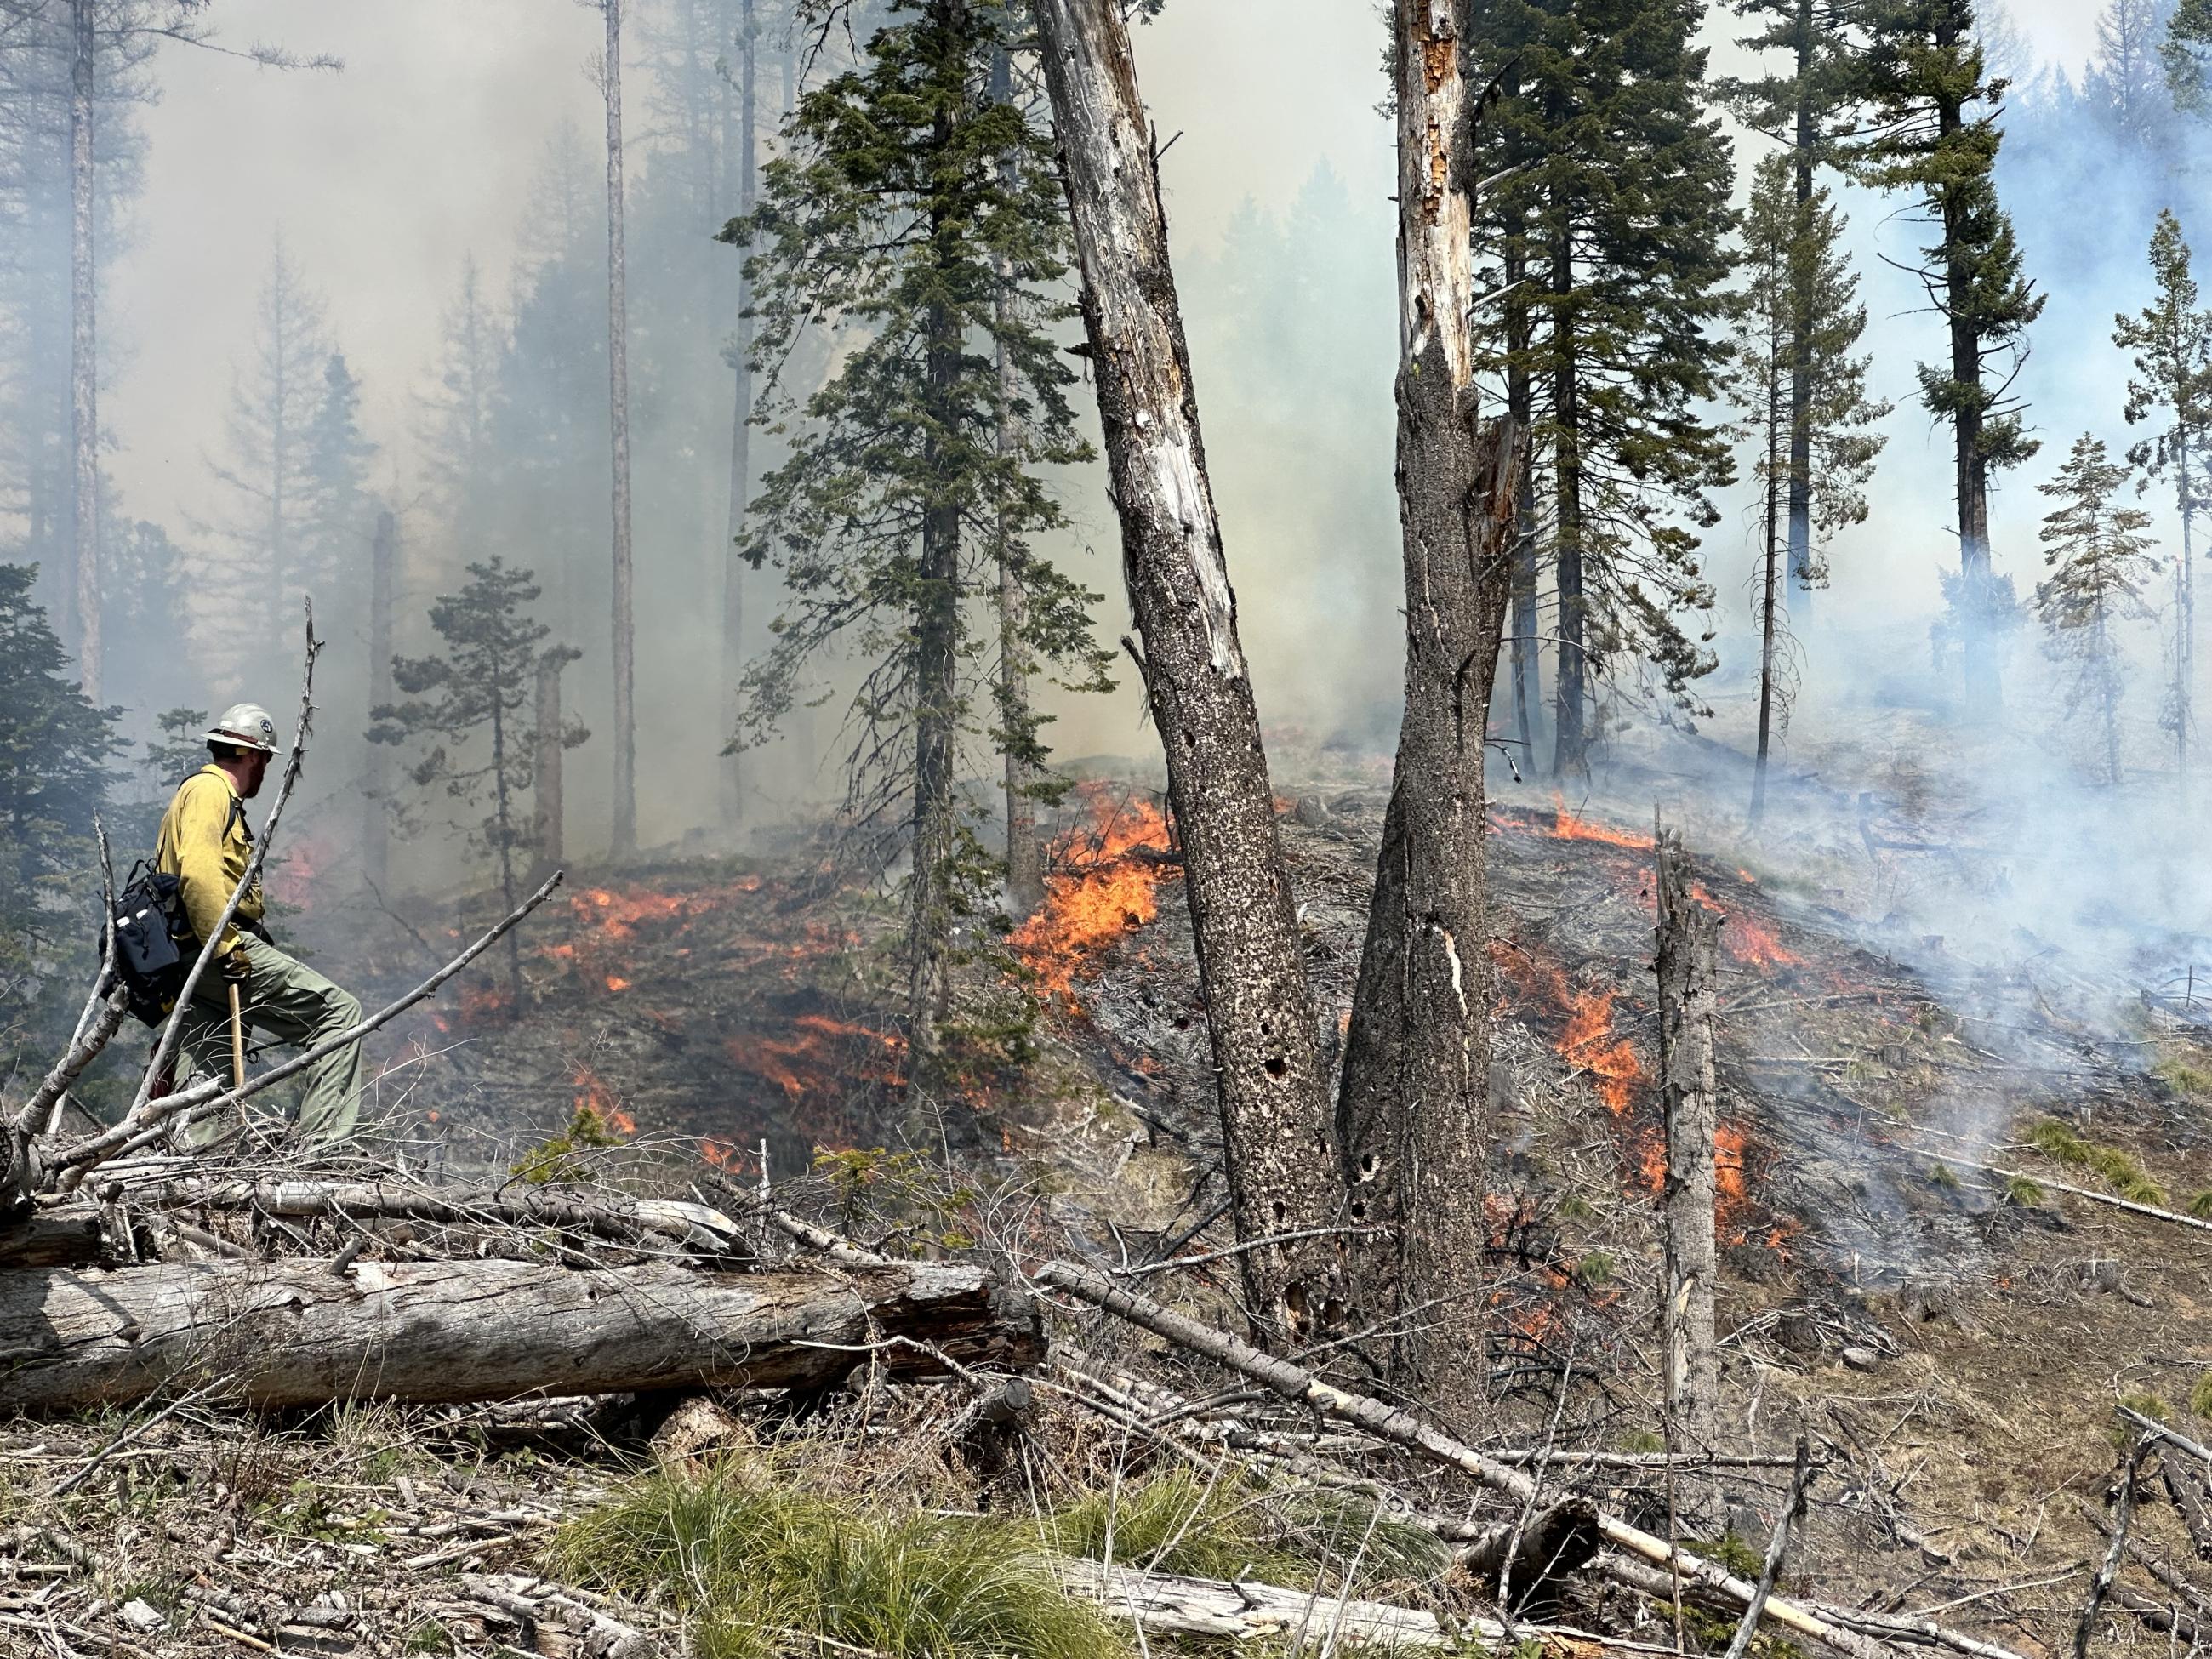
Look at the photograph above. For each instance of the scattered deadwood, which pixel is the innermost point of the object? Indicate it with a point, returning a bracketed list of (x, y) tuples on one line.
[(608, 1215), (1387, 1422), (2185, 1484), (557, 1620), (2108, 1570), (1777, 1547), (56, 1239), (2043, 1180), (295, 1334), (1278, 1138)]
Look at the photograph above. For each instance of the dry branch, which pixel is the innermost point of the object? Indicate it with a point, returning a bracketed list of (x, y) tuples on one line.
[(1776, 1546), (295, 1334), (1387, 1422)]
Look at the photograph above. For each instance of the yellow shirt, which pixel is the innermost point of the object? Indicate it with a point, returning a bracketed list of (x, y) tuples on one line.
[(204, 843)]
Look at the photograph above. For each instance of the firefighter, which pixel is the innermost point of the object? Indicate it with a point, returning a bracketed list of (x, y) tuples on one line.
[(206, 844)]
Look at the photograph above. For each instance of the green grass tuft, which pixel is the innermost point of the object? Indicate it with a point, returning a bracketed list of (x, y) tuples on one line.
[(2058, 1143), (2183, 1076), (2200, 1204), (2022, 1192), (2200, 1395), (1940, 1174), (1176, 1522), (761, 1565)]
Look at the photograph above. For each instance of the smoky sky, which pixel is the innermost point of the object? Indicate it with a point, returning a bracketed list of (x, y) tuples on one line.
[(382, 177)]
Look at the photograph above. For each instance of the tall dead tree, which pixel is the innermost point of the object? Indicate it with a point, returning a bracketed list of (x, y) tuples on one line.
[(1411, 1117), (1277, 1137), (1688, 962), (625, 624), (376, 779), (84, 364), (739, 356)]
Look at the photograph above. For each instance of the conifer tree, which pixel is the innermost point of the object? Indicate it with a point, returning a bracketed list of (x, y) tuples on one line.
[(457, 418), (1936, 134), (56, 754), (922, 218), (2126, 87), (482, 690), (2185, 54), (1799, 379), (1623, 198), (2099, 560), (2172, 340), (1807, 107), (263, 550)]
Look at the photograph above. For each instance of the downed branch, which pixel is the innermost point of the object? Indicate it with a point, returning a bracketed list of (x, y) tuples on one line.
[(295, 1334), (533, 1602), (1793, 1511), (2049, 1185), (1387, 1422)]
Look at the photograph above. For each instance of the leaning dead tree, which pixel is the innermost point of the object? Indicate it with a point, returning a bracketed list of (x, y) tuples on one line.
[(1276, 1133), (1413, 1113), (1689, 996)]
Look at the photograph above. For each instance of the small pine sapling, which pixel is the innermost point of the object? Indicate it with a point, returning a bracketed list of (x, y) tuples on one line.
[(482, 690), (2099, 559)]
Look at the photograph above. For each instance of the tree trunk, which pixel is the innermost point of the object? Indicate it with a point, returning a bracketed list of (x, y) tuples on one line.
[(1689, 974), (1571, 740), (1976, 577), (2184, 593), (296, 1334), (504, 808), (936, 683), (1025, 856), (1278, 1143), (741, 475), (84, 360), (376, 779), (625, 641), (1412, 1114), (1520, 409), (1798, 598), (545, 770), (1770, 579)]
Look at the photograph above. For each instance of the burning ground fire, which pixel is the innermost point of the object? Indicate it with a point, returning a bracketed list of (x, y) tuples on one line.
[(1103, 888)]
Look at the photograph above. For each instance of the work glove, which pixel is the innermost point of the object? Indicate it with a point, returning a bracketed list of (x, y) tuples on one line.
[(236, 965)]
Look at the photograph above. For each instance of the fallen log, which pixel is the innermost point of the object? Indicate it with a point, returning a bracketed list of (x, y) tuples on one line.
[(1387, 1422), (1168, 1604), (294, 1333)]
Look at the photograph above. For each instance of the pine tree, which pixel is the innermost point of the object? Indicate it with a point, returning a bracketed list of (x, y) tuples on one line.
[(2126, 86), (266, 554), (1936, 134), (338, 514), (1799, 385), (56, 755), (482, 688), (2185, 55), (908, 203), (457, 418), (1624, 201), (1805, 107), (2172, 340), (2099, 559)]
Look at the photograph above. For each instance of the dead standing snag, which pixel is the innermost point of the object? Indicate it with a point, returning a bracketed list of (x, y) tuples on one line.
[(1277, 1138)]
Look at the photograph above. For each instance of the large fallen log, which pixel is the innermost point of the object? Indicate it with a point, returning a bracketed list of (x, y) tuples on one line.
[(297, 1332)]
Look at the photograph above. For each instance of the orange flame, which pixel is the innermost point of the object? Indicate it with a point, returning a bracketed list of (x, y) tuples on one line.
[(819, 1051), (1565, 826), (1108, 895), (594, 1097), (617, 982)]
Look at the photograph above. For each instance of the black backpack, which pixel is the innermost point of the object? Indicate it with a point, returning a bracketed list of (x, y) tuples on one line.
[(154, 943)]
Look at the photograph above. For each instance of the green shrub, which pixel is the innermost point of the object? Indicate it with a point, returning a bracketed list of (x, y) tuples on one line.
[(761, 1565)]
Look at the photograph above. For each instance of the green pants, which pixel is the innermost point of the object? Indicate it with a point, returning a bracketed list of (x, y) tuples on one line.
[(286, 999)]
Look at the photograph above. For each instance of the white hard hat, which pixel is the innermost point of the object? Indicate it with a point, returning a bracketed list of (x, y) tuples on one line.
[(245, 726)]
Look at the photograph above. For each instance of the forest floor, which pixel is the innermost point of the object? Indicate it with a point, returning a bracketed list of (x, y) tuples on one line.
[(1904, 1282)]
